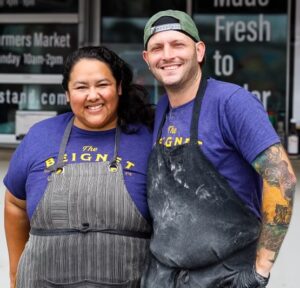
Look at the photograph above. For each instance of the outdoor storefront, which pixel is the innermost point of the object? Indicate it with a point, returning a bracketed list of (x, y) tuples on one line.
[(252, 43)]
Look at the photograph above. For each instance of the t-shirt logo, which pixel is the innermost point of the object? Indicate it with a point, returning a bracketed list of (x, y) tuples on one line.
[(87, 157), (172, 129)]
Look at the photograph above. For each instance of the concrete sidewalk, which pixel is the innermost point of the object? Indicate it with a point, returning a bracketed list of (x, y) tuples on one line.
[(285, 273)]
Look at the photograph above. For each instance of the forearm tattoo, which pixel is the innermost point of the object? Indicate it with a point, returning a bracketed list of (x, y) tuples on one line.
[(279, 189)]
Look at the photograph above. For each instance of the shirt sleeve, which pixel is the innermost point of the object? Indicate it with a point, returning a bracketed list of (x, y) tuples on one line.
[(16, 176), (247, 125)]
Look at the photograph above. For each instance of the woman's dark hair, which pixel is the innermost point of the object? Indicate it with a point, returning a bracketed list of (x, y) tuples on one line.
[(134, 107)]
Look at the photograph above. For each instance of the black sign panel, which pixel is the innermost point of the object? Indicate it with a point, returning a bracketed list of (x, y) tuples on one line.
[(242, 6), (28, 97), (39, 6), (36, 48), (248, 46)]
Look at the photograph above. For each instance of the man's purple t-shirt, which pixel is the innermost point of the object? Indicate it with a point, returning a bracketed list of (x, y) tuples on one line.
[(26, 177), (233, 130)]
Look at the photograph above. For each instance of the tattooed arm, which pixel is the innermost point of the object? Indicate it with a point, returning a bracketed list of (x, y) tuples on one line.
[(279, 184)]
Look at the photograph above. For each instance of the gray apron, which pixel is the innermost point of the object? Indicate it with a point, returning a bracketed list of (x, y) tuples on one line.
[(86, 230), (202, 232)]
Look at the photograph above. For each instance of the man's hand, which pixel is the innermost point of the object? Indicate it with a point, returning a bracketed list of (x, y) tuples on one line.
[(249, 279)]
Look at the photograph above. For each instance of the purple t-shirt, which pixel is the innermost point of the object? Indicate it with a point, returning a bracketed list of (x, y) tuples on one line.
[(27, 180), (233, 130)]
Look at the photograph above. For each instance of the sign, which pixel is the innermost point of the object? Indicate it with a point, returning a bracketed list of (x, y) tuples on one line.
[(36, 48), (25, 119), (241, 6), (38, 6), (247, 43), (28, 97)]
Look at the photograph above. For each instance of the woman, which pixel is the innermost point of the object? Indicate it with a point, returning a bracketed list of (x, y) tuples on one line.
[(76, 183)]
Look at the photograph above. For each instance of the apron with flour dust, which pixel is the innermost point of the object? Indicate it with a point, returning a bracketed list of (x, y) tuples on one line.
[(202, 232)]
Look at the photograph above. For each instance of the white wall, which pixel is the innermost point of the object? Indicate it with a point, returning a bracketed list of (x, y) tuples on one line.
[(296, 98)]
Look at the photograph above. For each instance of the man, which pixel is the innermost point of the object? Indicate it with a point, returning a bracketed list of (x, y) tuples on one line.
[(220, 185)]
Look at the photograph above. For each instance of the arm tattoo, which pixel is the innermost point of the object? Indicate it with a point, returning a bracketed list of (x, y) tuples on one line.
[(274, 170), (279, 188)]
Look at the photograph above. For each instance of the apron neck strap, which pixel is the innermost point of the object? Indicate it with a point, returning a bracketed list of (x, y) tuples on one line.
[(196, 110), (60, 159), (59, 164), (159, 131), (114, 161), (195, 115)]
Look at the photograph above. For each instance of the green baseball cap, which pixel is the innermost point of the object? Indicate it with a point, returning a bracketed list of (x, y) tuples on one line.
[(184, 23)]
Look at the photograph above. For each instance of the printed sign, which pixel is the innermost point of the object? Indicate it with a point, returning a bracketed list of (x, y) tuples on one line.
[(36, 48), (28, 97), (247, 43), (38, 6)]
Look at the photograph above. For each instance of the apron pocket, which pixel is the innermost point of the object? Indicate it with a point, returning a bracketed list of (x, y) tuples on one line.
[(84, 284)]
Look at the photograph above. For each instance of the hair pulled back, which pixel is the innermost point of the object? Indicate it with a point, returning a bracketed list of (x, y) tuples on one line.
[(133, 107)]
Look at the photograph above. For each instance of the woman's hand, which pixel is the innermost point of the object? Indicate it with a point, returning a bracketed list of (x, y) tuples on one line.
[(16, 230), (12, 281)]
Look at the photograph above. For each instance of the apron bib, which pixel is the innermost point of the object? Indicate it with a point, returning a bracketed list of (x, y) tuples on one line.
[(202, 232), (86, 230)]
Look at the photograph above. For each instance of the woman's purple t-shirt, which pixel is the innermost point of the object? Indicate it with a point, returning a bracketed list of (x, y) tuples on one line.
[(26, 177)]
